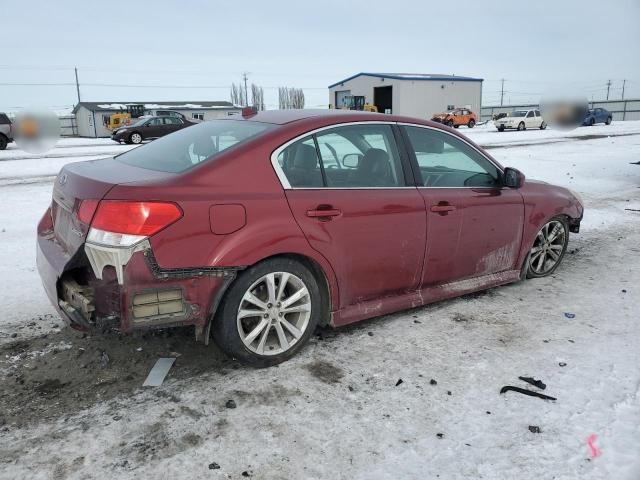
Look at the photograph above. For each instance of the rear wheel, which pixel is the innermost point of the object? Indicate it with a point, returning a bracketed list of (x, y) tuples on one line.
[(608, 122), (543, 125), (135, 138), (501, 128), (592, 122), (3, 142), (472, 123), (548, 248), (269, 313), (521, 126)]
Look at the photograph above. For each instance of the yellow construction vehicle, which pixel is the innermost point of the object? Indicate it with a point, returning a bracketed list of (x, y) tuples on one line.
[(123, 118), (356, 102)]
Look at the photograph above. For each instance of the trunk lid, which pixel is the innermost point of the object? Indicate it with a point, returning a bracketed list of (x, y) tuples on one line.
[(90, 180)]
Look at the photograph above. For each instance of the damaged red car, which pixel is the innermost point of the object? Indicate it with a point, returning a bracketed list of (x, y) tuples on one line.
[(256, 229)]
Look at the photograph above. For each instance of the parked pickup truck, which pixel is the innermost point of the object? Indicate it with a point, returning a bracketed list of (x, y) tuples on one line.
[(6, 131)]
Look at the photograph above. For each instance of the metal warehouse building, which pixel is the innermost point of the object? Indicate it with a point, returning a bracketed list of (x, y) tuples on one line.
[(92, 117), (413, 94)]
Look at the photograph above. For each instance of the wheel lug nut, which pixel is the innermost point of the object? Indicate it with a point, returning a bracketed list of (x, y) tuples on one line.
[(266, 315), (269, 305), (280, 314), (279, 304)]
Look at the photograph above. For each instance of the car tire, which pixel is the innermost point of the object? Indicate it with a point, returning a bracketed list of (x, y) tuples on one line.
[(501, 128), (592, 122), (3, 142), (521, 126), (608, 122), (471, 123), (135, 138), (449, 123), (256, 339), (456, 126), (543, 125), (548, 248)]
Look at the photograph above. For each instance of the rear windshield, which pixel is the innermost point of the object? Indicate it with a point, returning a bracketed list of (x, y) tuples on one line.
[(192, 145)]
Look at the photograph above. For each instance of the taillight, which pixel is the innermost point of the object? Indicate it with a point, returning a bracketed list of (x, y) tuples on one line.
[(123, 223), (86, 210)]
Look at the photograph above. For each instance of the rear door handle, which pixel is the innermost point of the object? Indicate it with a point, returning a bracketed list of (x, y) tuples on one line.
[(324, 213), (442, 208)]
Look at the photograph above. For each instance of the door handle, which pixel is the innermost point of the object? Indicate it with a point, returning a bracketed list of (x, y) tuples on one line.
[(324, 213), (443, 208)]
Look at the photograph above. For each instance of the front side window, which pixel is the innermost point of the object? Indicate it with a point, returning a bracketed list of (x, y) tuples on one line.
[(519, 113), (190, 146), (530, 114), (351, 156), (155, 122), (446, 161)]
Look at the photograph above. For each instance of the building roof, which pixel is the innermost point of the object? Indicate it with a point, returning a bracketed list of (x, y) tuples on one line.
[(411, 76), (116, 106)]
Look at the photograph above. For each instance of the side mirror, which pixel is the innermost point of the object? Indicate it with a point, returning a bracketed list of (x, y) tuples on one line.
[(512, 178), (351, 160)]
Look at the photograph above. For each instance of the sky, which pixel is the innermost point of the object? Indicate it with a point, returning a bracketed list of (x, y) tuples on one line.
[(192, 50)]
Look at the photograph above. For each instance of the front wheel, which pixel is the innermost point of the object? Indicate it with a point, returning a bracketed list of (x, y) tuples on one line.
[(269, 312), (521, 126), (501, 128), (449, 123), (608, 122), (135, 138), (3, 142), (548, 248), (543, 125), (471, 124)]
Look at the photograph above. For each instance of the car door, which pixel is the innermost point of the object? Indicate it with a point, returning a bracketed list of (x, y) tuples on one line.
[(530, 119), (171, 124), (474, 224), (154, 128), (348, 192)]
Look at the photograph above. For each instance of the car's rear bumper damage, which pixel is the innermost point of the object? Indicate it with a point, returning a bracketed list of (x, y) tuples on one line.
[(136, 293)]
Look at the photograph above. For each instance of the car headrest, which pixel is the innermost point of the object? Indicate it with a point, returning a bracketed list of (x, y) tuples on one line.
[(203, 146), (305, 158), (375, 161)]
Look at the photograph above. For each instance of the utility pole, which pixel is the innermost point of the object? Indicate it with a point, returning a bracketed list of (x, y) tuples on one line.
[(77, 84), (623, 83), (608, 87), (246, 96), (502, 92)]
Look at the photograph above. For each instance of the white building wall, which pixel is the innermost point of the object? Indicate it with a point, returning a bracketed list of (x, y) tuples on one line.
[(416, 98)]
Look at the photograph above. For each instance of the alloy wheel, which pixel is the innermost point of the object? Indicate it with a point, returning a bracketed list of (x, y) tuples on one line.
[(136, 138), (274, 313), (548, 248)]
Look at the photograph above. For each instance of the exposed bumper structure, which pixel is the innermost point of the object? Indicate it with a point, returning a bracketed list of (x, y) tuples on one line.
[(100, 287)]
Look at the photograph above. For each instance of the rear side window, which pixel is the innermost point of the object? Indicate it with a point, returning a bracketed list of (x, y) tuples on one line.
[(193, 145), (351, 156), (4, 120)]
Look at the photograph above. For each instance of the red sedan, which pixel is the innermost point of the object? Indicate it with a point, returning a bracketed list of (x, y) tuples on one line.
[(257, 229)]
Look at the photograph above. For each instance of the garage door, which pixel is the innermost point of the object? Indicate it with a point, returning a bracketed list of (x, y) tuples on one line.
[(340, 95)]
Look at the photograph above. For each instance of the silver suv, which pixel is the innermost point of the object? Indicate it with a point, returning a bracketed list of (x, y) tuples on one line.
[(6, 133)]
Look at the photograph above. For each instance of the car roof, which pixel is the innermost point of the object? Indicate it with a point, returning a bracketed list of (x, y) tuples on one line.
[(281, 117)]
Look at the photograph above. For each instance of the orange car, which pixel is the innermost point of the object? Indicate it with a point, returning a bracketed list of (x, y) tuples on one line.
[(457, 117)]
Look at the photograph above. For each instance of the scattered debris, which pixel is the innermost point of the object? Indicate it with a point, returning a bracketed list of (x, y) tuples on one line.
[(399, 382), (534, 382), (14, 334), (214, 466), (246, 474), (562, 364), (633, 209), (440, 435), (175, 354), (488, 412), (351, 389), (623, 291), (433, 382), (417, 321), (104, 359), (508, 388), (230, 403), (139, 349), (370, 334), (569, 315), (534, 429), (593, 450), (448, 392), (159, 372)]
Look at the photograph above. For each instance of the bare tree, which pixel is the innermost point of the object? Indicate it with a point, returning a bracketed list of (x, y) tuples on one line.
[(290, 98), (257, 96), (238, 94)]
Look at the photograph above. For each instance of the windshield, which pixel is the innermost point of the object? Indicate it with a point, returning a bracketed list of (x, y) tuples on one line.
[(139, 123), (520, 113), (190, 146)]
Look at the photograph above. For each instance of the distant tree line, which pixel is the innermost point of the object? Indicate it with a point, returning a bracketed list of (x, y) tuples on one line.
[(239, 95), (290, 98)]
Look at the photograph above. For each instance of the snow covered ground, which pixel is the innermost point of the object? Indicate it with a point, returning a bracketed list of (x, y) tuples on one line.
[(338, 410)]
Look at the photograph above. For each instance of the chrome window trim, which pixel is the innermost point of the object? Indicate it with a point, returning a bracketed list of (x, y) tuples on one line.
[(287, 186), (283, 178)]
